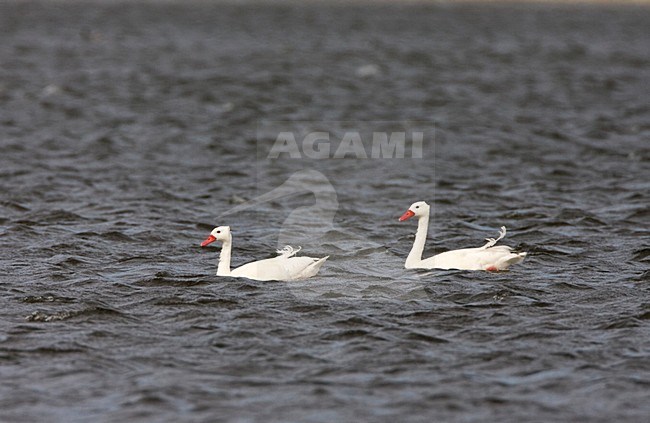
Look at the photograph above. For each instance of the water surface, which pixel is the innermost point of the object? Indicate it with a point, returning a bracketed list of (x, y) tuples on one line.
[(127, 129)]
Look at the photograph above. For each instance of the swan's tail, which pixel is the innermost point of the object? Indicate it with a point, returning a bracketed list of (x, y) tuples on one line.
[(288, 251), (313, 268), (318, 263), (509, 260), (492, 241)]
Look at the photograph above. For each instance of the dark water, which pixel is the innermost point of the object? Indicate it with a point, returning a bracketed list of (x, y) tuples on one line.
[(126, 129)]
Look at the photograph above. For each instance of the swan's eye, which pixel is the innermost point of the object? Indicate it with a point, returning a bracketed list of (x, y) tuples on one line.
[(417, 207), (218, 232)]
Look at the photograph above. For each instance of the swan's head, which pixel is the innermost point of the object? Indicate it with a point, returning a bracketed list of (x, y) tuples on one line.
[(220, 233), (418, 210)]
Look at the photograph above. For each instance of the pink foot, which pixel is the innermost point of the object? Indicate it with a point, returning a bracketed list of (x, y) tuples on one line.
[(492, 269)]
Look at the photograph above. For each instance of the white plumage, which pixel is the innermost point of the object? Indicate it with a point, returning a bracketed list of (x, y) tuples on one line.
[(284, 267), (488, 257)]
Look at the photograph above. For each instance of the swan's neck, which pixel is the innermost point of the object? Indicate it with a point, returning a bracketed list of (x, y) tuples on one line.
[(415, 256), (224, 258)]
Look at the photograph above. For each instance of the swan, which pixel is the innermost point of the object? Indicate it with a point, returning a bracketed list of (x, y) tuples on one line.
[(284, 267), (487, 257)]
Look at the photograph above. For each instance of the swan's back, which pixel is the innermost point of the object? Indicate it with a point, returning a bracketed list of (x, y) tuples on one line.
[(285, 267), (493, 258)]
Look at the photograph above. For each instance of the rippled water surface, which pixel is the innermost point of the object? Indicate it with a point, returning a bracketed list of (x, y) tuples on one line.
[(128, 130)]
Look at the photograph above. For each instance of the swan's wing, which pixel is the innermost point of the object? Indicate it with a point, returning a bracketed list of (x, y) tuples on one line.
[(262, 270), (281, 268), (464, 259), (304, 267), (474, 258)]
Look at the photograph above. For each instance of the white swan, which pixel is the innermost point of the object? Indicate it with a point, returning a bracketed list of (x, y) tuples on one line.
[(487, 257), (284, 267)]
